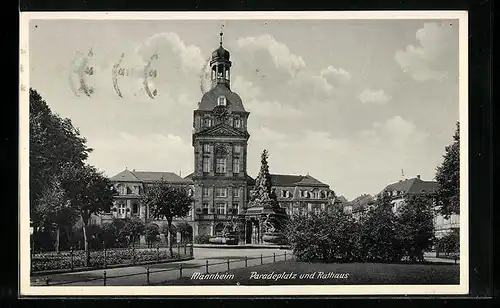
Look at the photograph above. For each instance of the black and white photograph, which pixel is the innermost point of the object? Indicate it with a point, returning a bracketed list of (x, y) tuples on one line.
[(243, 153)]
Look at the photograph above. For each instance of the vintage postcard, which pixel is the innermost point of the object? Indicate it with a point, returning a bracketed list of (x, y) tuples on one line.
[(243, 153)]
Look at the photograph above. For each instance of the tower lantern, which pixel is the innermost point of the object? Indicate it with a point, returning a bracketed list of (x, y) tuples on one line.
[(220, 65)]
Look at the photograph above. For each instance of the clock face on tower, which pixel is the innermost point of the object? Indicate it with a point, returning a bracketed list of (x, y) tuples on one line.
[(220, 112)]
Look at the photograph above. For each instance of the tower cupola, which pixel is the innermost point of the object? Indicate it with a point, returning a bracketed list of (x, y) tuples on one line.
[(220, 66)]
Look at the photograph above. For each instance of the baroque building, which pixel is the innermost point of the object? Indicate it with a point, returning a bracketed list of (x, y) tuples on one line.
[(398, 192), (220, 140), (220, 184)]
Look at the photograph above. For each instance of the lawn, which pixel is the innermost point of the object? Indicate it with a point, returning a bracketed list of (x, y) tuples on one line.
[(293, 273)]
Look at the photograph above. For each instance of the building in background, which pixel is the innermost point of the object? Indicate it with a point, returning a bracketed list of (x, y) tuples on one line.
[(301, 194), (400, 190), (359, 206), (220, 183)]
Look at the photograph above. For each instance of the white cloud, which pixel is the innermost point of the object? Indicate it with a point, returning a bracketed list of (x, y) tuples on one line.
[(270, 67), (272, 109), (374, 96), (163, 152), (166, 43), (436, 55), (279, 52), (335, 75), (246, 89), (266, 134), (310, 86), (396, 132)]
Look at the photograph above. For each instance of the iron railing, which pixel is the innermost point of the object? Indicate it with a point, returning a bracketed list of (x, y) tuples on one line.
[(182, 270), (75, 260)]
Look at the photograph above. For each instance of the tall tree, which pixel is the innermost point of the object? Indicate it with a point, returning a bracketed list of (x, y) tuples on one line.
[(415, 223), (54, 210), (167, 201), (90, 193), (55, 145), (378, 240), (263, 192), (448, 178)]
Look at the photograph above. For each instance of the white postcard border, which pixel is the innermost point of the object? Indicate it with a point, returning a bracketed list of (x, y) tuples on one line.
[(24, 225)]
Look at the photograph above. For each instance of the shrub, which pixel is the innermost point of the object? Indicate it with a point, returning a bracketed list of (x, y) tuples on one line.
[(325, 236), (125, 256), (186, 231), (450, 243), (202, 239), (152, 233), (377, 239)]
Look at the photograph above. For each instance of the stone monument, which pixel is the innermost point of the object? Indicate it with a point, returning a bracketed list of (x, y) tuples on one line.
[(264, 216)]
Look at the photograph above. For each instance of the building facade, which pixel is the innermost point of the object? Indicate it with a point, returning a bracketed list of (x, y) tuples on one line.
[(220, 183), (220, 140), (130, 185), (301, 194), (400, 190)]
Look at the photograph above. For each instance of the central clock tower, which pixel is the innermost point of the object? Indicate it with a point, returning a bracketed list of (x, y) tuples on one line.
[(220, 139)]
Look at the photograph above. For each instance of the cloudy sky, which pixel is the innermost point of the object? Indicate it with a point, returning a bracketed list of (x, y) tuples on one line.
[(351, 102)]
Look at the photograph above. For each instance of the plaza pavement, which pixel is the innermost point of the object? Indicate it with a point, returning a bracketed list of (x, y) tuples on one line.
[(157, 275)]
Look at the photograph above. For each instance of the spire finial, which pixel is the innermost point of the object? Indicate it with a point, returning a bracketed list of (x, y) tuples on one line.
[(221, 34)]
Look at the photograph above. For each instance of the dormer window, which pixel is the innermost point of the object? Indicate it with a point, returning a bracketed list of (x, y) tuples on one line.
[(221, 101), (285, 194), (122, 190), (207, 122), (237, 123)]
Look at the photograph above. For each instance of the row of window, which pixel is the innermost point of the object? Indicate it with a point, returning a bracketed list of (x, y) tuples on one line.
[(306, 194), (234, 122), (121, 208), (304, 209), (220, 165), (125, 190), (221, 192), (219, 209), (207, 148)]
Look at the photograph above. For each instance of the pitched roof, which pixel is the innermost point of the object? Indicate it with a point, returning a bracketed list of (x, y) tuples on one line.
[(412, 186), (277, 179), (295, 180), (148, 176), (361, 202), (341, 199), (125, 176), (209, 99)]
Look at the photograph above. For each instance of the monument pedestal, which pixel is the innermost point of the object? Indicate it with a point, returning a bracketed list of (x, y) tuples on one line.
[(264, 225)]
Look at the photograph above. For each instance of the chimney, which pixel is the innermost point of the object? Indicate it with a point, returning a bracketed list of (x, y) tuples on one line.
[(418, 176), (133, 170)]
